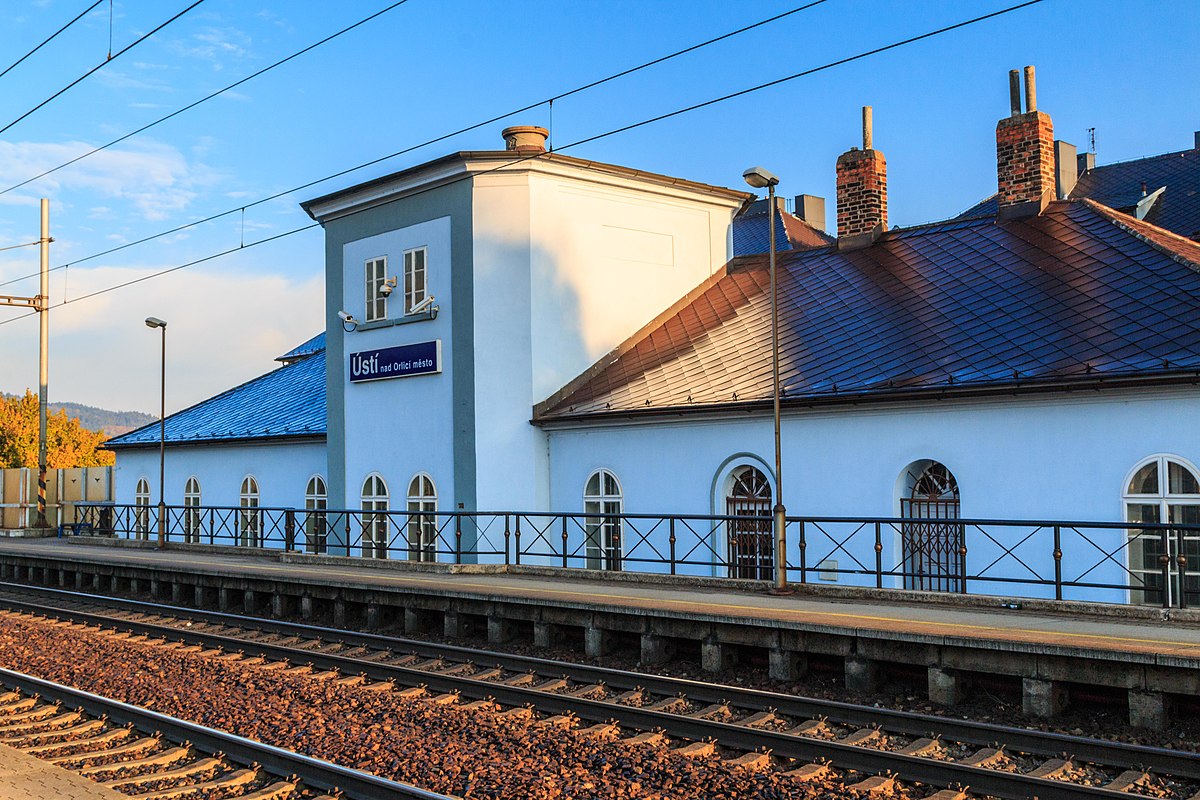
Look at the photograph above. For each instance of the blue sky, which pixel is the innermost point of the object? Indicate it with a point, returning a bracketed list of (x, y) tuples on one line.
[(432, 66)]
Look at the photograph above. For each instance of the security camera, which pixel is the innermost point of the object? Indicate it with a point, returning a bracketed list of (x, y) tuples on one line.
[(422, 306), (387, 287), (347, 317)]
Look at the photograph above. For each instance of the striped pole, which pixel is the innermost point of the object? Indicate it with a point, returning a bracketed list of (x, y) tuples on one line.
[(43, 307)]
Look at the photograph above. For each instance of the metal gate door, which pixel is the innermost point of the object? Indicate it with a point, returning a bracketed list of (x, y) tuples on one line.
[(932, 545), (751, 553)]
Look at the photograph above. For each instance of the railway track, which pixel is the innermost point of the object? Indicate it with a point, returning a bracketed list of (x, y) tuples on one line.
[(151, 756), (761, 730)]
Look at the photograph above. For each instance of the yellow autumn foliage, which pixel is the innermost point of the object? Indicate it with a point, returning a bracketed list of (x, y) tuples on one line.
[(69, 444)]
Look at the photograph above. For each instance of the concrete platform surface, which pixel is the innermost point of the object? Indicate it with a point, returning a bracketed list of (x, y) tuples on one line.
[(23, 777), (1148, 640)]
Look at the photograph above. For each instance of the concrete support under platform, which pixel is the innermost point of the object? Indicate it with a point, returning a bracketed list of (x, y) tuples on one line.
[(177, 593), (62, 578), (545, 634), (500, 630), (787, 665), (597, 642), (655, 649), (374, 616), (96, 582), (339, 613), (1149, 710), (116, 585), (716, 656), (306, 607), (280, 605), (155, 586), (198, 597), (862, 675), (1041, 698), (78, 581), (416, 621), (946, 687), (249, 602), (225, 599), (453, 625)]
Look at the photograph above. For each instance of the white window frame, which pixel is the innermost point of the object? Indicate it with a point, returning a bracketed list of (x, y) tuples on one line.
[(1163, 501), (375, 526), (141, 502), (375, 275), (422, 518), (316, 523), (602, 535), (249, 517), (191, 510), (414, 295)]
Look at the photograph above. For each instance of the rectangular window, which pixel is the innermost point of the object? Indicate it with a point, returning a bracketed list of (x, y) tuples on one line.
[(376, 301), (415, 287)]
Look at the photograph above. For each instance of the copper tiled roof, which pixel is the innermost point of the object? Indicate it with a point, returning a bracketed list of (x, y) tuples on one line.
[(1079, 293)]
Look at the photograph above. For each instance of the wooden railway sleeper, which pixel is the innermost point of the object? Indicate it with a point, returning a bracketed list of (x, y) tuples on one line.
[(163, 758), (1053, 769), (232, 781), (200, 767), (72, 731), (40, 723), (280, 790), (23, 704), (135, 748), (104, 737), (37, 713), (1128, 780)]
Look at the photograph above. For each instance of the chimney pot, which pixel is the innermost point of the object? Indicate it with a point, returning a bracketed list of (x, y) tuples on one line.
[(1085, 161), (525, 138), (1030, 90), (1014, 91), (868, 135)]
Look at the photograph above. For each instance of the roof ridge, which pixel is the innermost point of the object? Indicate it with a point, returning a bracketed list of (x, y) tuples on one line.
[(1139, 158), (214, 398), (1130, 225)]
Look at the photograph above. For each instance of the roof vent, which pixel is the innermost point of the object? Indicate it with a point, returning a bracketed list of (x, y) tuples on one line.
[(525, 138)]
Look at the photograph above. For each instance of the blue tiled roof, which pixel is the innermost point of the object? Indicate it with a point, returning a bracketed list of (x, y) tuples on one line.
[(314, 345), (284, 403), (752, 235)]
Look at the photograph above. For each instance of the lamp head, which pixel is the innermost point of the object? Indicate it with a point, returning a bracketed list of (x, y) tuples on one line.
[(760, 178), (155, 322)]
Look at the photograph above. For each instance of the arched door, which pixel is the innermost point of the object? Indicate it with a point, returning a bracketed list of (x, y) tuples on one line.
[(932, 539), (750, 545)]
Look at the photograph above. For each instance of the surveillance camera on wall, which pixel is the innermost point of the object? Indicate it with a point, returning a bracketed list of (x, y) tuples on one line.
[(387, 287), (347, 318), (424, 305)]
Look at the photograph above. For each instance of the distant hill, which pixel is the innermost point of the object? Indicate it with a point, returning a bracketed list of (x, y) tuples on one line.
[(113, 423)]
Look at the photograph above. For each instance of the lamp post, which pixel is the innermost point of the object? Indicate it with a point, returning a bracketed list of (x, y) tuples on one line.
[(760, 178), (155, 322)]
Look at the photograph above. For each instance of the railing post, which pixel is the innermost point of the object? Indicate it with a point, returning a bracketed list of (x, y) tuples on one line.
[(1058, 588), (564, 538), (1164, 562), (517, 534), (212, 531), (878, 557), (507, 535), (671, 541), (289, 530), (457, 539), (1181, 557), (962, 564), (803, 554), (348, 534)]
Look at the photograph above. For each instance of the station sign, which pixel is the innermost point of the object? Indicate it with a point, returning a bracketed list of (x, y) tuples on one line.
[(404, 361)]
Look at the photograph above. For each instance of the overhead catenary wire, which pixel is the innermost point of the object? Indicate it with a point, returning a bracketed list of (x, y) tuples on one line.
[(51, 38), (443, 137), (112, 57), (589, 139), (204, 99)]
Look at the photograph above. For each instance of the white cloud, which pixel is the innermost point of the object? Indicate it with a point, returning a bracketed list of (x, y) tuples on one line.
[(216, 45), (157, 179), (223, 328)]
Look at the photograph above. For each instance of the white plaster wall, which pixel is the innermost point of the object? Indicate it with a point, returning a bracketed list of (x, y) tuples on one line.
[(401, 426), (282, 471), (1065, 458)]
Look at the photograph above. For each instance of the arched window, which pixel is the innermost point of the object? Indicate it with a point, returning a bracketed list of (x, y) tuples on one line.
[(422, 518), (141, 501), (250, 518), (191, 511), (932, 541), (751, 549), (602, 495), (316, 525), (1164, 489), (374, 518)]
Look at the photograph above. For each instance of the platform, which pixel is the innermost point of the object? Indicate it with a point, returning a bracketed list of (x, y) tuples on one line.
[(1046, 645), (23, 777)]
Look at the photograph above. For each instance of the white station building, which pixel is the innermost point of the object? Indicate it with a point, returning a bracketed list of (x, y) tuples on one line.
[(521, 330)]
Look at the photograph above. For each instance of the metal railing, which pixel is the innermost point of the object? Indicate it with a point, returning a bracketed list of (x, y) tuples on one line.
[(1114, 562)]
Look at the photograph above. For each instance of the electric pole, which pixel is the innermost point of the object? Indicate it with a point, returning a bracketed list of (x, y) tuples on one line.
[(41, 304)]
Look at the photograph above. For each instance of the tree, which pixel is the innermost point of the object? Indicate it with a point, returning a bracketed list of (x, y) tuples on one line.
[(68, 444)]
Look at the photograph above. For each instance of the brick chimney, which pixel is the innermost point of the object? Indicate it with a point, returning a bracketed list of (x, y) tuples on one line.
[(1025, 173), (861, 192)]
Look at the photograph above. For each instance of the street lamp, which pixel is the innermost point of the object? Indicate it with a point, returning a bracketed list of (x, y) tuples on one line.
[(155, 322), (760, 178)]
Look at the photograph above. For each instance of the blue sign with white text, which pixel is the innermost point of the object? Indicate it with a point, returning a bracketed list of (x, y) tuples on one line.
[(423, 358)]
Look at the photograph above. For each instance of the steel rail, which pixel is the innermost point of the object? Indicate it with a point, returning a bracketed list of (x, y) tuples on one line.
[(1034, 742), (315, 773), (909, 767)]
